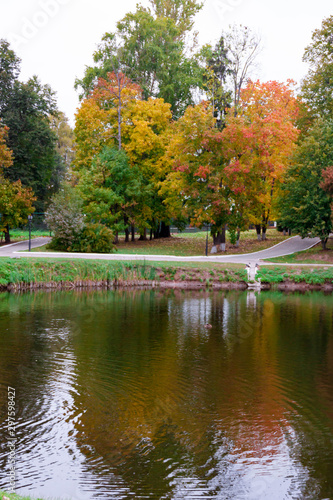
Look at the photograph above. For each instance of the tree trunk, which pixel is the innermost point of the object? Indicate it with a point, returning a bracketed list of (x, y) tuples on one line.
[(151, 234), (126, 235), (219, 241), (289, 232), (238, 238), (258, 229), (264, 229), (119, 111), (116, 238), (165, 231), (157, 231), (323, 243), (143, 236), (222, 244), (216, 242), (133, 232), (7, 234)]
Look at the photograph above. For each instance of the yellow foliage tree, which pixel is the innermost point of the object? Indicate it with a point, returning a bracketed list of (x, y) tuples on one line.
[(114, 115)]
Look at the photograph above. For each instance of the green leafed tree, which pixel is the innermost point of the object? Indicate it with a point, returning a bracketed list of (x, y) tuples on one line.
[(30, 137), (25, 110), (111, 190), (65, 138), (229, 65), (9, 72), (305, 207), (181, 11), (317, 87), (65, 154), (149, 48), (215, 79)]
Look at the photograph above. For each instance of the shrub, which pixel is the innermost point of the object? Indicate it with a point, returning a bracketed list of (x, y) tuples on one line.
[(64, 218), (94, 238)]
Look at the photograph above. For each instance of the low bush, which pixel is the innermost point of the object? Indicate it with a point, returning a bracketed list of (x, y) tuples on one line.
[(64, 218), (94, 238)]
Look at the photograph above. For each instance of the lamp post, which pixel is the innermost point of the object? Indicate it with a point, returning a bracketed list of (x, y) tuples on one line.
[(29, 219), (207, 241)]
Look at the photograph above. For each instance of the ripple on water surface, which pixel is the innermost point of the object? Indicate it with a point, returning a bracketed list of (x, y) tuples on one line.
[(127, 395)]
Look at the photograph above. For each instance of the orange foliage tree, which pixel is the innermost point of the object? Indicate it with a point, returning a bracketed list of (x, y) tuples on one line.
[(197, 185), (257, 145)]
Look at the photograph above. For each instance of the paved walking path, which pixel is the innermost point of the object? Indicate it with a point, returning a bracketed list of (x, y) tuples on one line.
[(292, 245)]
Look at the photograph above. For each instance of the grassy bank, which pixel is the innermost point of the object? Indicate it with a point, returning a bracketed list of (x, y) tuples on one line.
[(287, 274), (79, 273)]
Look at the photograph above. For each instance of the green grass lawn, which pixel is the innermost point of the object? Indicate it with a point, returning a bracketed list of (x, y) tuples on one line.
[(193, 244)]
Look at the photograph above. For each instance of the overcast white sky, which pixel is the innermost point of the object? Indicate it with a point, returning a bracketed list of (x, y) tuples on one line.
[(56, 38)]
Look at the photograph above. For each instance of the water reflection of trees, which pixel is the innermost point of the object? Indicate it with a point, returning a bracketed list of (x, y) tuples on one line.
[(197, 391), (167, 406)]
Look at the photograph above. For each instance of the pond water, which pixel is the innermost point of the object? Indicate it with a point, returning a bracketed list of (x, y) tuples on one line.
[(127, 395)]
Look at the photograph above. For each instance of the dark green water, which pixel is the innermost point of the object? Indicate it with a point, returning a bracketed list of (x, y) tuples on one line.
[(126, 395)]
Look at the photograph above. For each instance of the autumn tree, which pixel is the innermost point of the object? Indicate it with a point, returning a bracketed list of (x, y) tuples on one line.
[(327, 183), (100, 118), (197, 186), (258, 143), (16, 203), (305, 203), (143, 129), (146, 136)]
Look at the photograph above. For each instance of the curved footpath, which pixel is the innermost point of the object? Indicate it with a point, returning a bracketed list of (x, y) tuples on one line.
[(290, 246)]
